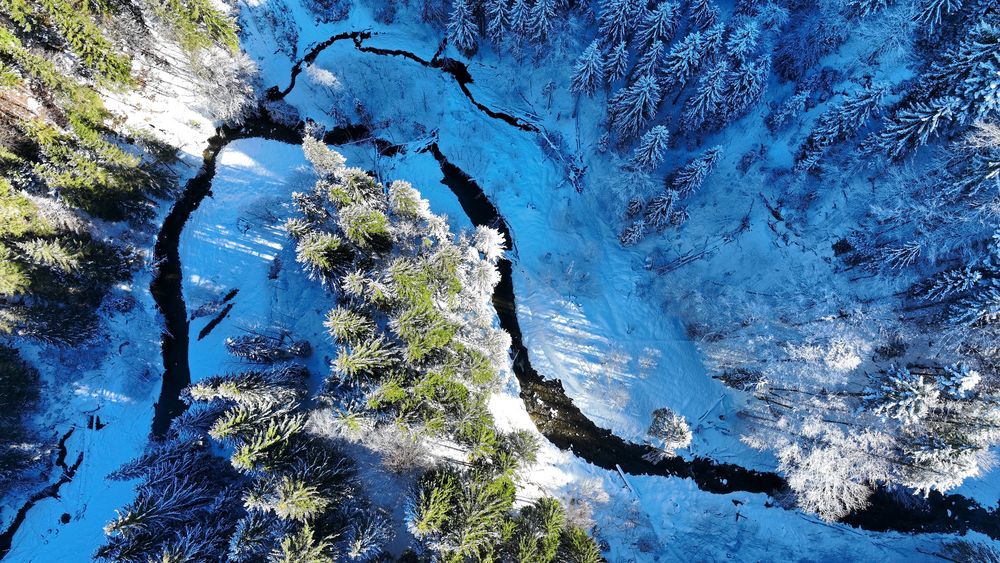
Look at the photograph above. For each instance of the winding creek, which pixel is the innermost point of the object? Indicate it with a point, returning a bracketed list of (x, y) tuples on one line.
[(553, 412)]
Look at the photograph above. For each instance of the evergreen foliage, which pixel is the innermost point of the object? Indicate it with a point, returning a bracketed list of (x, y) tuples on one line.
[(632, 107), (589, 74)]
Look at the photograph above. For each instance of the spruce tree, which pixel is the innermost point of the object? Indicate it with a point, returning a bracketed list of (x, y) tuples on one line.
[(708, 100), (520, 18), (634, 106), (616, 20), (652, 146), (589, 74), (660, 209), (633, 234), (541, 18), (660, 24), (914, 125), (703, 13), (746, 85), (683, 60), (462, 27), (649, 61), (689, 179), (617, 62), (743, 41), (497, 20)]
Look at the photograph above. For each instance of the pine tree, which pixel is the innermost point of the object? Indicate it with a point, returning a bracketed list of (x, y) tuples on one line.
[(842, 120), (703, 13), (914, 125), (683, 60), (660, 209), (542, 15), (660, 24), (649, 154), (589, 74), (649, 62), (325, 162), (576, 546), (708, 99), (323, 254), (933, 11), (616, 20), (520, 18), (983, 308), (497, 20), (865, 8), (462, 27), (634, 106), (250, 540), (689, 179), (347, 326), (714, 41), (743, 41), (303, 546), (617, 62), (429, 511), (366, 357), (368, 228), (633, 233), (746, 86), (973, 71), (670, 429), (901, 395)]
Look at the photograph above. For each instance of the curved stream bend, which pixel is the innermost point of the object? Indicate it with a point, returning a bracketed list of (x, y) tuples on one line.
[(569, 428)]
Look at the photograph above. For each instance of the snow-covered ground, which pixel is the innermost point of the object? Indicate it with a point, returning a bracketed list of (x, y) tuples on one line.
[(588, 308)]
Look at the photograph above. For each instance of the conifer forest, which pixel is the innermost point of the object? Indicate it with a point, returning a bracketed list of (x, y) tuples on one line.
[(525, 281)]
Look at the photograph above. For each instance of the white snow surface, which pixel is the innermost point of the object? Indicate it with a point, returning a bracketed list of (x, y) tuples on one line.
[(584, 303)]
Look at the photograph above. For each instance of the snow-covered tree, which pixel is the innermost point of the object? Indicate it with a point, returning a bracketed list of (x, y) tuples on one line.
[(670, 429), (633, 233), (541, 18), (520, 18), (683, 60), (933, 11), (660, 24), (462, 31), (703, 13), (708, 99), (689, 178), (865, 8), (632, 107), (971, 72), (589, 74), (743, 41), (617, 20), (914, 125), (652, 146), (616, 63), (714, 41), (746, 85), (649, 60), (953, 282), (902, 395), (660, 208), (497, 20), (832, 472), (842, 120)]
